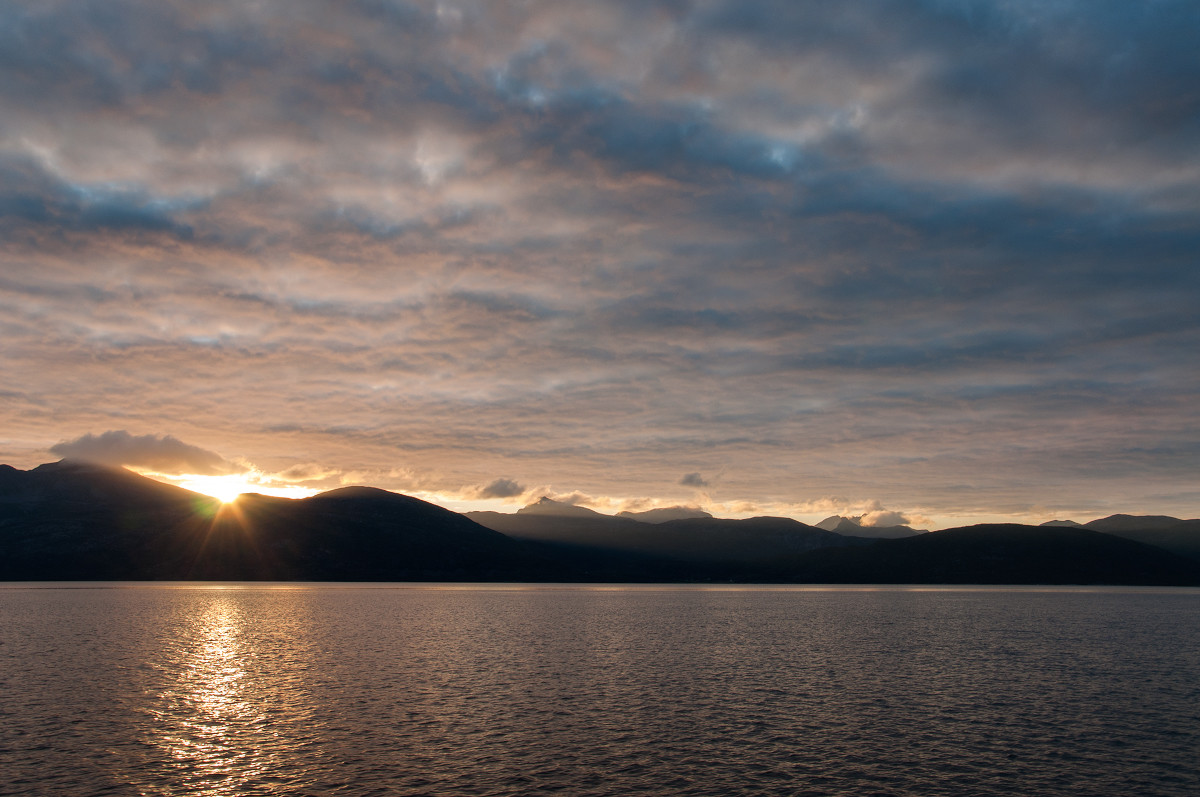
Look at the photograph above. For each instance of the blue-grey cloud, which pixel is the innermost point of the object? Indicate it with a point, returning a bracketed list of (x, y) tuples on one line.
[(32, 198)]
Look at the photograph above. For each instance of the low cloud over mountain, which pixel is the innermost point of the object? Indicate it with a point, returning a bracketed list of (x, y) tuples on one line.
[(164, 454), (883, 517)]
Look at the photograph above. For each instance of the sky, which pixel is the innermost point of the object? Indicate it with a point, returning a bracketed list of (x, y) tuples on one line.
[(922, 261)]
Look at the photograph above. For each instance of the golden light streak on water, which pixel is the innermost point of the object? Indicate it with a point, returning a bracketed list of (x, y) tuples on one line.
[(198, 717), (216, 725)]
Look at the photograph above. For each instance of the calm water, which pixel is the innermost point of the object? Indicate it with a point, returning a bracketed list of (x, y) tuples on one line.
[(148, 690)]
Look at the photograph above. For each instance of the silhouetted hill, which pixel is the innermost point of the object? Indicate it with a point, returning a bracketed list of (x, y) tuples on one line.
[(1172, 534), (79, 521), (82, 484), (1117, 523), (753, 540), (999, 554), (582, 528), (69, 520)]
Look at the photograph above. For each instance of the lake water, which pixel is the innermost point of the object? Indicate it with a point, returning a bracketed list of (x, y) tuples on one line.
[(577, 690)]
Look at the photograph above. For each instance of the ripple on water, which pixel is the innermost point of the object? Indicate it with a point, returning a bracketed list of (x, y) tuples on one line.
[(468, 691)]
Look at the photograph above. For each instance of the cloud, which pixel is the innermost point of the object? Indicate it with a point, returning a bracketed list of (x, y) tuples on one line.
[(499, 488), (884, 517), (603, 504), (821, 244), (33, 200), (576, 498), (307, 472), (164, 454)]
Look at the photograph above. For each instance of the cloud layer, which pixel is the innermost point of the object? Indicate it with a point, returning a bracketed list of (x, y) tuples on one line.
[(935, 255)]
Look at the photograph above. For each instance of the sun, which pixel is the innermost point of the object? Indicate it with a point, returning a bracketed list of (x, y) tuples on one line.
[(225, 489), (228, 487)]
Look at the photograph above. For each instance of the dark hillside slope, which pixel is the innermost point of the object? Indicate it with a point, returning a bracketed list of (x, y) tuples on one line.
[(71, 520), (699, 540), (999, 554), (1177, 536), (361, 533), (753, 540), (594, 530)]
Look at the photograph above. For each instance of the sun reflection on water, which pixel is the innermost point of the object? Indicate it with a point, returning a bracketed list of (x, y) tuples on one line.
[(199, 712), (217, 690), (217, 723)]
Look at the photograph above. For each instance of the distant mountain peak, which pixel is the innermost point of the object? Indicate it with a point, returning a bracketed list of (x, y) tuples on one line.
[(548, 506), (853, 527), (1071, 524)]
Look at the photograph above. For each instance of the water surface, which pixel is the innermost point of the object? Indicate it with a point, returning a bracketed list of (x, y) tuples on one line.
[(502, 689)]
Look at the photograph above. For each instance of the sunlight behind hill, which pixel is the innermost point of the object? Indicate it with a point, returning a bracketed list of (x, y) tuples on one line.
[(228, 487)]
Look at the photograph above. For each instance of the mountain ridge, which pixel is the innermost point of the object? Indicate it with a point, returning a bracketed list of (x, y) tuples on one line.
[(70, 521)]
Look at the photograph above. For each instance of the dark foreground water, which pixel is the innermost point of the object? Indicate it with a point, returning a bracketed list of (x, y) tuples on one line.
[(453, 690)]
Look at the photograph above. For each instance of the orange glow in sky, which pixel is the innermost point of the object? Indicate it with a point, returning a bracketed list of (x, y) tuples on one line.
[(228, 487)]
